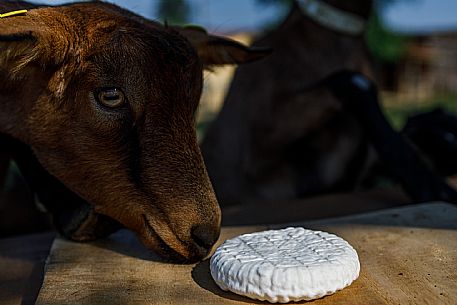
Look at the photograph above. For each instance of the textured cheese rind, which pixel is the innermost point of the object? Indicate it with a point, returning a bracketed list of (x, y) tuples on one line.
[(286, 265)]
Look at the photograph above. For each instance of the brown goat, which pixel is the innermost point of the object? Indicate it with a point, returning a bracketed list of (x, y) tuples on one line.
[(104, 101), (274, 142)]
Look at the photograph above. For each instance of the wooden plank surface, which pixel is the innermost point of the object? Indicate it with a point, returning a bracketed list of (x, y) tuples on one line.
[(21, 288), (324, 206), (408, 256)]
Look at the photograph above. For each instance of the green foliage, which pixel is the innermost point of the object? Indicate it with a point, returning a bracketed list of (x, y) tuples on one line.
[(397, 114), (174, 11), (385, 45)]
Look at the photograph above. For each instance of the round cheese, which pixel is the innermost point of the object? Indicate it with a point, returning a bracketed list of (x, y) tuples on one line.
[(291, 264)]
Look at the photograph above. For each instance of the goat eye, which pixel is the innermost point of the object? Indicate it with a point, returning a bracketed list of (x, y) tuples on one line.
[(112, 98)]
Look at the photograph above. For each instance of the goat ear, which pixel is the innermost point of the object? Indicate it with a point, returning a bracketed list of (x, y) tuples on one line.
[(216, 50), (24, 39), (17, 51)]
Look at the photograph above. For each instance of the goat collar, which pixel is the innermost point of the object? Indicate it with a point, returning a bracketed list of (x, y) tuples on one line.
[(333, 18)]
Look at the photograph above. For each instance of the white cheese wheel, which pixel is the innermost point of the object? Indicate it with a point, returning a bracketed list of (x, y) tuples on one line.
[(286, 265)]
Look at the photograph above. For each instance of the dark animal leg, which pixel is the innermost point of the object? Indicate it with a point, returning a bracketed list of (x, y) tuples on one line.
[(359, 95), (73, 217)]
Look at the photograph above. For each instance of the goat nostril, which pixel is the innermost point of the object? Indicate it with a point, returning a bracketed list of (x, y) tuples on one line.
[(204, 236)]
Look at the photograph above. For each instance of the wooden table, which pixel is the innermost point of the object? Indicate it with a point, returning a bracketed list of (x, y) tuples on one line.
[(22, 257), (408, 256)]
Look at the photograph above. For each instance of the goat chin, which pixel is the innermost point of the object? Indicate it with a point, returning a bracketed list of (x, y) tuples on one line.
[(169, 247)]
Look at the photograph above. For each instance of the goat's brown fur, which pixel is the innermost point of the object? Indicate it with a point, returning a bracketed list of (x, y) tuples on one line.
[(139, 164)]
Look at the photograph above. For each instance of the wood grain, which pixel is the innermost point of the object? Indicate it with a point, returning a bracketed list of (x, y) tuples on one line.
[(404, 260)]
